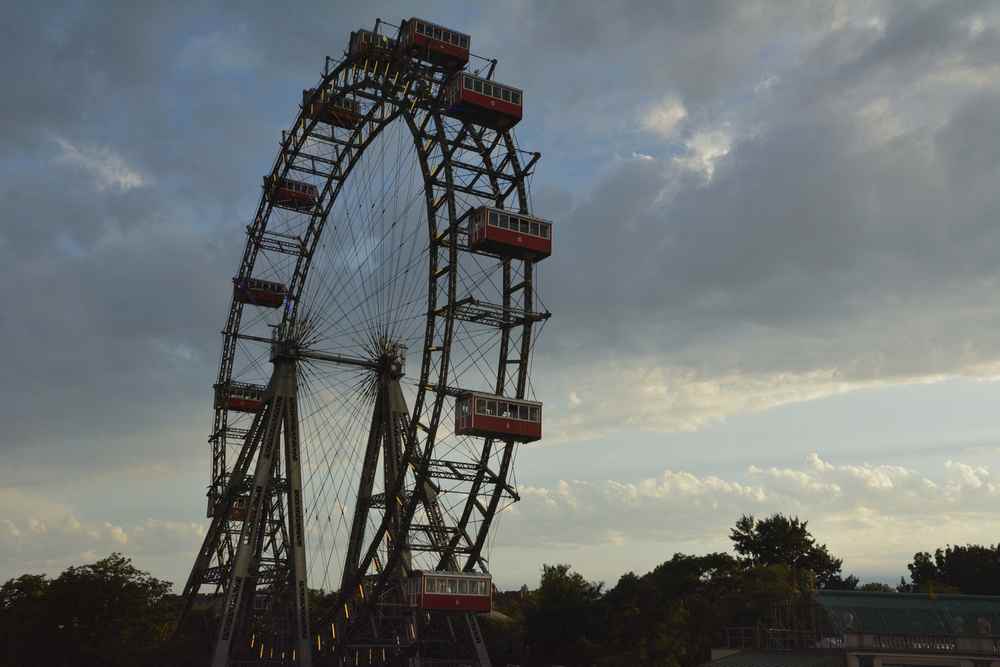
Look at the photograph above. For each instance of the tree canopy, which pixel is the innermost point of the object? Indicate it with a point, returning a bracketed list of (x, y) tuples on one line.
[(107, 613), (971, 569), (110, 613), (781, 540), (562, 617), (674, 614)]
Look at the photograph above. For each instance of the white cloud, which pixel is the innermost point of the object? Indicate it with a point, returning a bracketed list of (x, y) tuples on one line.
[(879, 123), (973, 477), (704, 148), (38, 535), (677, 504), (766, 84), (653, 397), (612, 396), (109, 170), (874, 516), (663, 118)]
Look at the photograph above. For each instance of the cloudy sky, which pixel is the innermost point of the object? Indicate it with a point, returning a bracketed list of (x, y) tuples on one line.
[(775, 283)]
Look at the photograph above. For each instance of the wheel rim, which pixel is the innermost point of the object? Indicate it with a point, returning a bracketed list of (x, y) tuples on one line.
[(458, 164)]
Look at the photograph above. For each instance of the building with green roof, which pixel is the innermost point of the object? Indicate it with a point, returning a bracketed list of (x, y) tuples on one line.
[(862, 629)]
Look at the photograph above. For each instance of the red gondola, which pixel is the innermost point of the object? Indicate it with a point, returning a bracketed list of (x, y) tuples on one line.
[(509, 234), (238, 512), (484, 102), (367, 44), (239, 397), (325, 108), (433, 43), (492, 416), (449, 591), (257, 292), (291, 194)]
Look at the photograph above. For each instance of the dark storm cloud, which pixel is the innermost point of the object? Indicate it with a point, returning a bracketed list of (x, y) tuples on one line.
[(810, 230), (115, 254), (819, 241), (133, 139), (74, 66), (608, 47), (917, 39)]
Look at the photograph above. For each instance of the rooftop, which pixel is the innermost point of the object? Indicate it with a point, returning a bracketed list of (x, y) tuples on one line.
[(781, 659), (912, 613)]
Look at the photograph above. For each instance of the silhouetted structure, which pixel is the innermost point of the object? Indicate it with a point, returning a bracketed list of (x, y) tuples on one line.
[(864, 629)]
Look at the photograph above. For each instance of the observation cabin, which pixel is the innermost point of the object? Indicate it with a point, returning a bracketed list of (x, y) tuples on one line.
[(509, 234), (367, 44), (239, 397), (331, 109), (257, 292), (238, 512), (492, 416), (434, 43), (449, 591), (484, 102), (291, 194)]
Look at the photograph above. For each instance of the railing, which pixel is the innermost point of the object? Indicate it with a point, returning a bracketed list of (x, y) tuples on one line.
[(783, 639), (778, 639), (987, 646), (931, 643)]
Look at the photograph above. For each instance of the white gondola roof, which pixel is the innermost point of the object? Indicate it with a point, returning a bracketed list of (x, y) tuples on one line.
[(438, 25), (482, 394), (442, 573), (507, 211)]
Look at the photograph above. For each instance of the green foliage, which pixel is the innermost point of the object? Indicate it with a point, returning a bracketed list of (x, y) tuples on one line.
[(22, 616), (673, 615), (321, 604), (780, 540), (972, 569), (562, 616), (877, 587), (669, 616), (107, 613)]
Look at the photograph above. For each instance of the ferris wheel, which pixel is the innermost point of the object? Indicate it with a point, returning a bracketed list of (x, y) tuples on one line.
[(375, 377)]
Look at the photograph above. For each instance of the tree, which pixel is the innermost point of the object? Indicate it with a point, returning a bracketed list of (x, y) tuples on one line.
[(27, 588), (563, 617), (104, 614), (780, 540), (22, 605), (970, 569), (672, 615), (877, 587), (923, 570), (838, 583)]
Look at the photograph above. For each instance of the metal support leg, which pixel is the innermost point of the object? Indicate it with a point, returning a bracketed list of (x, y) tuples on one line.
[(296, 527), (240, 591)]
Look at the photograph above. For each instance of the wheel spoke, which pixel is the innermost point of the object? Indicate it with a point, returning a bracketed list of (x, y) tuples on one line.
[(363, 230)]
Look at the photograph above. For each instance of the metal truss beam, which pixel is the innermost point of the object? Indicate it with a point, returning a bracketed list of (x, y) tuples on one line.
[(473, 310)]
